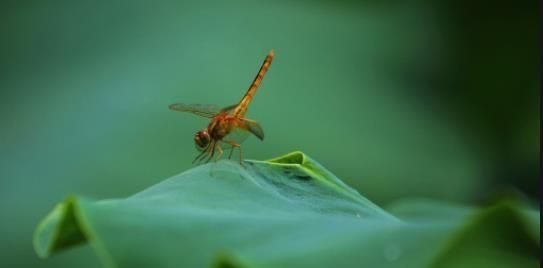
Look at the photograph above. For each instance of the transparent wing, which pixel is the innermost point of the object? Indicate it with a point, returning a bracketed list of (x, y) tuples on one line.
[(204, 110), (230, 108), (240, 133), (238, 136), (253, 127)]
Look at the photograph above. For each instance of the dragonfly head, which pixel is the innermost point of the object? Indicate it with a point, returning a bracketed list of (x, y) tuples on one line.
[(202, 139)]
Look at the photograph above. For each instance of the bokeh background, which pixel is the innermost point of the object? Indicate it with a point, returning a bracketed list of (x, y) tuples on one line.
[(400, 99)]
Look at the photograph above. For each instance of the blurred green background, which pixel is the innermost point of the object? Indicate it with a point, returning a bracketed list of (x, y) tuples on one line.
[(400, 99)]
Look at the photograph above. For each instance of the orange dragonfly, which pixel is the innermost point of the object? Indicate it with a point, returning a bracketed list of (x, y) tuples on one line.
[(228, 125)]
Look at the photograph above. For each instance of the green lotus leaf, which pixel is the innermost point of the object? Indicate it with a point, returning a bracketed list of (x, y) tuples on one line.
[(286, 212)]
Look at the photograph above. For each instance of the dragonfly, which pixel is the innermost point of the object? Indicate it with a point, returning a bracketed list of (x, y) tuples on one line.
[(228, 126)]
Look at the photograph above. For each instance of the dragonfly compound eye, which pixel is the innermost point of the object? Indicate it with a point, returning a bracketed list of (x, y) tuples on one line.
[(202, 139)]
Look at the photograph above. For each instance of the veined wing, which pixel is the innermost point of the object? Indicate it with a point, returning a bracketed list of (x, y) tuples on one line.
[(205, 110), (253, 127), (240, 133), (237, 135), (229, 108)]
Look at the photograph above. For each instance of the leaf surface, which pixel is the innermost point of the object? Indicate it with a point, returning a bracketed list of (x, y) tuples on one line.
[(285, 212)]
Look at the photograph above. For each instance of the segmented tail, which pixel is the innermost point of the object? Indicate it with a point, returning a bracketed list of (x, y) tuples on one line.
[(241, 109)]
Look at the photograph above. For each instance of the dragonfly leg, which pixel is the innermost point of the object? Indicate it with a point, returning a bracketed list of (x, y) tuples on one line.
[(212, 145), (203, 154), (240, 155), (231, 151), (235, 145), (219, 155)]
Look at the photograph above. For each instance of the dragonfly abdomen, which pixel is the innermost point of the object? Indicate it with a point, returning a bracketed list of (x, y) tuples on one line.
[(244, 103)]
